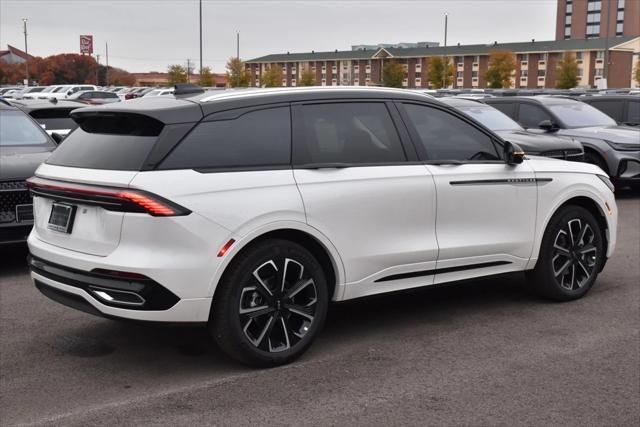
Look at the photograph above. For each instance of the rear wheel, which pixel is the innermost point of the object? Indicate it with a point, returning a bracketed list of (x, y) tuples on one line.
[(571, 255), (270, 304)]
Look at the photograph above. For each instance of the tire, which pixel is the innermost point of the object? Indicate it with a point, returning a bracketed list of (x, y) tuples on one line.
[(566, 271), (254, 320), (596, 159)]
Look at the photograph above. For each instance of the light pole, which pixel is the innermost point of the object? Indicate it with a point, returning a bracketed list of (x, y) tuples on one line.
[(26, 50), (238, 58), (446, 64), (201, 39)]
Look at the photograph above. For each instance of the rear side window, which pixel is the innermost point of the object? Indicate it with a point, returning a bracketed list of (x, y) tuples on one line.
[(613, 109), (633, 114), (349, 133), (507, 108), (108, 141), (257, 138), (447, 137), (55, 118), (530, 116)]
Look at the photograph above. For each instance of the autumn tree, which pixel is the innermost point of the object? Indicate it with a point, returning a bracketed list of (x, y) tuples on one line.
[(307, 78), (237, 74), (436, 71), (502, 65), (120, 77), (206, 78), (637, 73), (567, 72), (272, 77), (392, 74), (176, 74)]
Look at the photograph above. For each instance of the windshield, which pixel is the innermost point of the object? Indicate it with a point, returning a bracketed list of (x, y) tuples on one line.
[(578, 114), (49, 89), (154, 93), (61, 89), (17, 129), (491, 118)]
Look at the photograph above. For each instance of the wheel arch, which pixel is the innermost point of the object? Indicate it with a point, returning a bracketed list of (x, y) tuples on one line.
[(308, 237)]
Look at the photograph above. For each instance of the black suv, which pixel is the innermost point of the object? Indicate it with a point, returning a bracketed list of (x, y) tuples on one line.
[(615, 149), (23, 146)]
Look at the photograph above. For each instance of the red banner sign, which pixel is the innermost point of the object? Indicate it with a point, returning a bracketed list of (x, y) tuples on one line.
[(86, 44)]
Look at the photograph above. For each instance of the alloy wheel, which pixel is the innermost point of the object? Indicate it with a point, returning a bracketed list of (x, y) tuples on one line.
[(574, 254), (278, 305)]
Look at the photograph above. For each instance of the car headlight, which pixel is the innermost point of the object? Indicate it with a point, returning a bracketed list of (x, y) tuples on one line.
[(607, 182), (620, 146)]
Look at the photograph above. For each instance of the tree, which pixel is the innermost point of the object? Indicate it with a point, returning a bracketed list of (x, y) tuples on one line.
[(307, 78), (436, 71), (272, 77), (237, 74), (567, 72), (392, 74), (502, 64), (637, 74), (206, 78), (177, 74)]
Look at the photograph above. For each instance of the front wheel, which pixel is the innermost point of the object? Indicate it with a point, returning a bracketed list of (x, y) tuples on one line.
[(571, 255), (270, 305)]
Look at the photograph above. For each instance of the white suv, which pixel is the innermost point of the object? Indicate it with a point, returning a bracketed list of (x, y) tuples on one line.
[(251, 210)]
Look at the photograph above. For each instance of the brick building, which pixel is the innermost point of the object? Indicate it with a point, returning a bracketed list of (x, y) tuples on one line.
[(580, 19), (536, 63)]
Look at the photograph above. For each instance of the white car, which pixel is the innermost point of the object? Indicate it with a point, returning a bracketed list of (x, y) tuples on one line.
[(159, 92), (65, 91), (252, 210)]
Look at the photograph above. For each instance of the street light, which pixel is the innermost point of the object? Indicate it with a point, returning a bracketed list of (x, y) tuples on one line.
[(26, 51)]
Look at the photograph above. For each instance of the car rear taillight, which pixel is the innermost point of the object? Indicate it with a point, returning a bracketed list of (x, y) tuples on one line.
[(110, 198)]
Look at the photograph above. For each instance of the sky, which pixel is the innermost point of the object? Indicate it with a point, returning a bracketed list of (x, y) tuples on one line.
[(148, 35)]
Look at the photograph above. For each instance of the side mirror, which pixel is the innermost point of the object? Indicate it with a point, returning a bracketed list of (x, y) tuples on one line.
[(57, 137), (69, 92), (548, 126), (513, 154)]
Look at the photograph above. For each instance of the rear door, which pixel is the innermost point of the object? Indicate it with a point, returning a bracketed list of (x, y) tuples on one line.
[(485, 208), (363, 188)]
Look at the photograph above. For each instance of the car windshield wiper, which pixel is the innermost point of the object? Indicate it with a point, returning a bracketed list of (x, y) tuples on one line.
[(444, 162)]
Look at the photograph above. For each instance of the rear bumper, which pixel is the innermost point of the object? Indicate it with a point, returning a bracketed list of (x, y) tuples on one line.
[(14, 233)]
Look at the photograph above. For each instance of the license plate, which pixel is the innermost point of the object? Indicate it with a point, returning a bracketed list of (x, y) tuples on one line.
[(61, 218)]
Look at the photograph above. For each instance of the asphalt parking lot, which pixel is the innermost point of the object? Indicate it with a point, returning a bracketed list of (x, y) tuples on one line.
[(480, 353)]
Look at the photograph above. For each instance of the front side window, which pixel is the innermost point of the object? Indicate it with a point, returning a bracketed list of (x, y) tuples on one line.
[(444, 136), (256, 138), (530, 115), (348, 133)]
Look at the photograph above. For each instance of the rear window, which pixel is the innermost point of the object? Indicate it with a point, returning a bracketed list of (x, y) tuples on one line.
[(16, 129), (109, 141), (257, 138), (55, 118)]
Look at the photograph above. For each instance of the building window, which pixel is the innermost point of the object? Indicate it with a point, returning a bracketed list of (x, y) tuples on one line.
[(620, 16), (524, 57), (619, 29), (542, 73), (620, 4), (594, 6), (543, 56), (417, 75), (567, 32), (599, 72), (593, 30), (476, 58), (567, 20), (569, 9), (600, 54), (593, 18), (524, 73), (474, 74), (460, 74), (579, 72)]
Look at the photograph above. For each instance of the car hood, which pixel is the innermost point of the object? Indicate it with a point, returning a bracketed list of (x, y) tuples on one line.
[(546, 164), (621, 134), (20, 165), (539, 143)]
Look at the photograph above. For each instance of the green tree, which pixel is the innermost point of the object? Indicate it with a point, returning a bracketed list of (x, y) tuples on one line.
[(307, 78), (237, 74), (567, 72), (272, 77), (436, 71), (392, 74), (206, 78), (177, 74), (502, 64)]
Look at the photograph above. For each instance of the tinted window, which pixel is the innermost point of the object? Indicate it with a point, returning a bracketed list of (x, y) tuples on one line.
[(633, 114), (490, 117), (447, 137), (257, 138), (579, 114), (507, 108), (613, 109), (17, 129), (346, 133), (530, 116), (54, 118)]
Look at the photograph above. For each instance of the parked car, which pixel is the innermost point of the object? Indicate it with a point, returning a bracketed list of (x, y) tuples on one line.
[(159, 92), (615, 149), (135, 92), (29, 92), (60, 90), (94, 97), (53, 116), (23, 146), (624, 109), (5, 90), (547, 145), (251, 210)]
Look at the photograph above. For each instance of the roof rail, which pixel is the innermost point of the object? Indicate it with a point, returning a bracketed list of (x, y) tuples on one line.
[(186, 88)]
